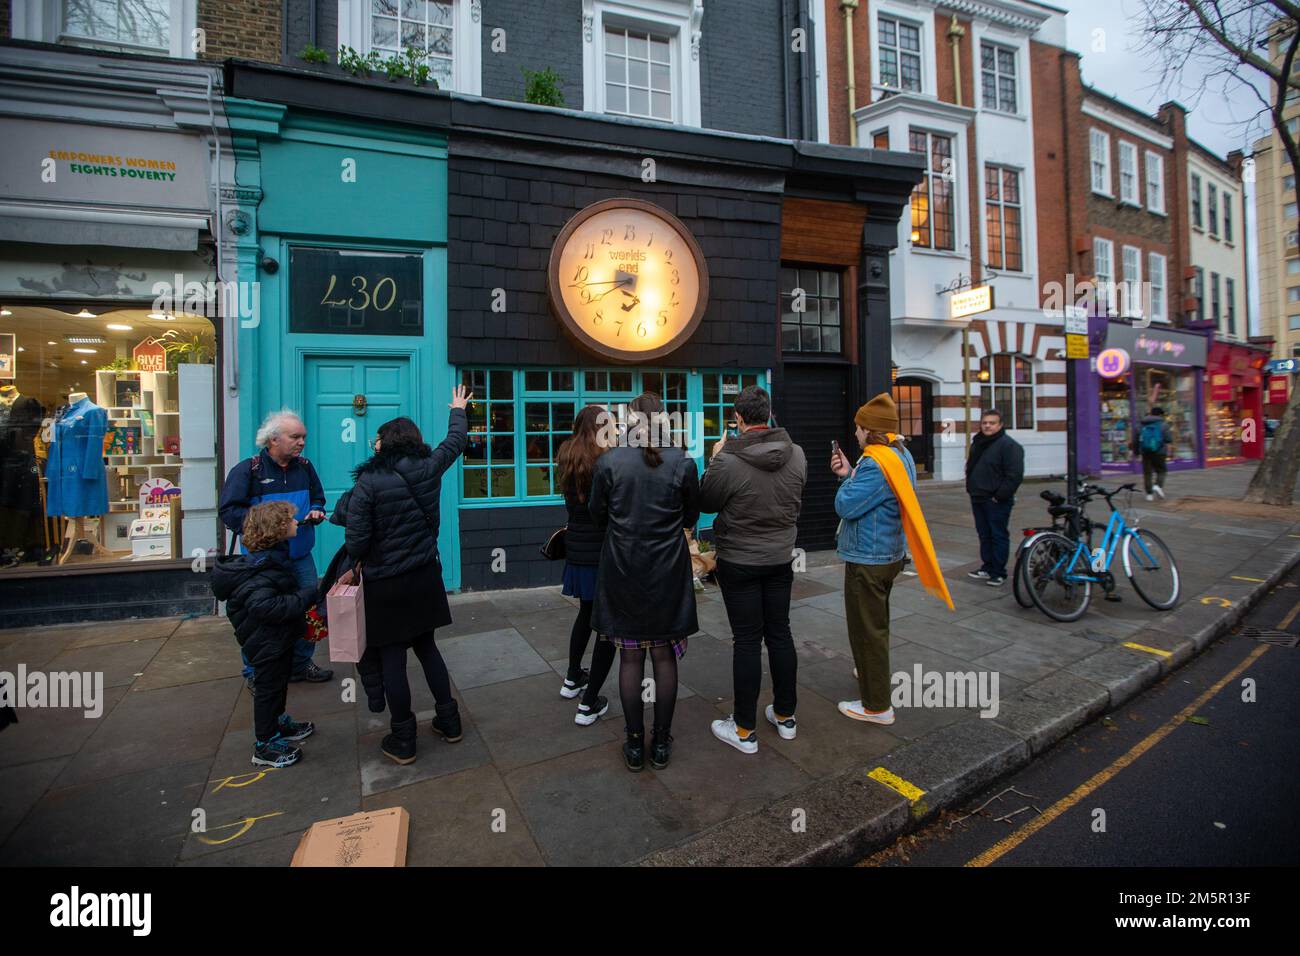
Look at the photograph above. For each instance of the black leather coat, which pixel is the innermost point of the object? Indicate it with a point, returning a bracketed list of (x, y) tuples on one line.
[(644, 589)]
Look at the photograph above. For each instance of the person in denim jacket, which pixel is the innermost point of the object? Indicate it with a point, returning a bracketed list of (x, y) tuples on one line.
[(871, 543)]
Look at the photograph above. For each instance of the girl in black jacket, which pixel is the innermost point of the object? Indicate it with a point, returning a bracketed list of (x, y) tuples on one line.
[(392, 533), (267, 608), (582, 544)]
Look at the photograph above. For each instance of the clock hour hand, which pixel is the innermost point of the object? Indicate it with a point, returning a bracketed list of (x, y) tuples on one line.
[(631, 305)]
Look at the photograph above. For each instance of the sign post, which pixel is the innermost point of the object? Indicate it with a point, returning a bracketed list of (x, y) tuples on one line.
[(1076, 342)]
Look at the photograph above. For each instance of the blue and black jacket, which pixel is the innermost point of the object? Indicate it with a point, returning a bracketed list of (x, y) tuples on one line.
[(258, 479)]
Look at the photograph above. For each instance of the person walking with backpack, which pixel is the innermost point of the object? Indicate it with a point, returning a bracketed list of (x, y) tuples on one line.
[(266, 603), (994, 471), (754, 483), (575, 463), (1153, 440), (392, 534), (280, 472), (644, 497)]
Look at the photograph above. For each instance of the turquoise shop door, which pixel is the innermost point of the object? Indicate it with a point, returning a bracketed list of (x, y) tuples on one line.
[(331, 385)]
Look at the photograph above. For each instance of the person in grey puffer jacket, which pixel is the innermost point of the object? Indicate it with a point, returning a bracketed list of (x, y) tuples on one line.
[(755, 483)]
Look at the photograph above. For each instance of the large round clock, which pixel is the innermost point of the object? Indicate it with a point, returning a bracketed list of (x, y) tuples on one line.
[(628, 280)]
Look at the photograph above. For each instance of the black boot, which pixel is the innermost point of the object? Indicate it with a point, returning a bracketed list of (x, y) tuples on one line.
[(661, 748), (447, 721), (634, 752), (400, 744)]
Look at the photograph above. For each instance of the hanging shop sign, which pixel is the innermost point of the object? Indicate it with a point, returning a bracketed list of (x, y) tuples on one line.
[(1113, 363), (627, 280), (1277, 390), (149, 356), (971, 302), (355, 292)]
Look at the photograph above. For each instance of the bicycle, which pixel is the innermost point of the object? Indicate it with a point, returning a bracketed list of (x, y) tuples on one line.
[(1019, 587), (1060, 570)]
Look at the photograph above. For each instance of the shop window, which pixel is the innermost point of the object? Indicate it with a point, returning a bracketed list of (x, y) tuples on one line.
[(1174, 391), (1196, 201), (1156, 278), (812, 315), (1007, 384), (1099, 147), (719, 395), (1128, 173), (92, 409), (1002, 218), (520, 418), (933, 203), (144, 25), (1212, 207), (998, 77), (1155, 165), (1116, 422), (899, 46), (1230, 293), (638, 73)]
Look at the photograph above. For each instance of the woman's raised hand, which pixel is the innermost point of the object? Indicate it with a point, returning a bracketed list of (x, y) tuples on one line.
[(460, 397)]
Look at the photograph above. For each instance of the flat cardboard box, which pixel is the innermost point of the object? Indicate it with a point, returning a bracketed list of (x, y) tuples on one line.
[(376, 838)]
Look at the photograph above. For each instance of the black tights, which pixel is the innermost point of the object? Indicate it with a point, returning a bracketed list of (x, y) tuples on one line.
[(602, 657), (631, 669), (396, 688)]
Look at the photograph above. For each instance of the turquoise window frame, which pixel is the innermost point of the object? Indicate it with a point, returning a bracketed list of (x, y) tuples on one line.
[(580, 396)]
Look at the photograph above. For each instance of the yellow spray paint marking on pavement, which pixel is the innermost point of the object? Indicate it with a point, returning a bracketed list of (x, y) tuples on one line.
[(1002, 847), (1239, 577), (896, 783), (1150, 650), (244, 778), (244, 826), (1221, 601)]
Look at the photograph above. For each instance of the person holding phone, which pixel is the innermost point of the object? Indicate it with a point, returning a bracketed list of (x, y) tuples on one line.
[(755, 483)]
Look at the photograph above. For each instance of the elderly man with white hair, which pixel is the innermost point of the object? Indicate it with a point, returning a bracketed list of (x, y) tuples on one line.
[(279, 472)]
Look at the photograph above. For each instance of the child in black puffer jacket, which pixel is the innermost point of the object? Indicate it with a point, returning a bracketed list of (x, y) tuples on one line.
[(267, 608)]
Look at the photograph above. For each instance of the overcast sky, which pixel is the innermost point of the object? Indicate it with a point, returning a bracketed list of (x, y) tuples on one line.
[(1222, 118)]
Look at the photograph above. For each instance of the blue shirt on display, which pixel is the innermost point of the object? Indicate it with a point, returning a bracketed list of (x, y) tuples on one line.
[(77, 481)]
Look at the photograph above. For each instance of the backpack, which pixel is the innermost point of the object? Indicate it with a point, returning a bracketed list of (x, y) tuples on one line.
[(1152, 438)]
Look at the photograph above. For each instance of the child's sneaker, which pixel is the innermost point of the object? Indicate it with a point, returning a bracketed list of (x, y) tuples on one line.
[(276, 752), (727, 732), (572, 688), (786, 728), (856, 710), (586, 716), (291, 729)]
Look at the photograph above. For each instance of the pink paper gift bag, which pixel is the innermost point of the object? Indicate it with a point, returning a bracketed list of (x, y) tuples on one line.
[(347, 623)]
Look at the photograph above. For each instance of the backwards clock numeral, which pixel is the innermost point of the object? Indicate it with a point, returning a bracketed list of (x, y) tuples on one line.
[(663, 317), (676, 277), (605, 236), (629, 233), (598, 319), (591, 251), (651, 242), (672, 301), (581, 274), (640, 329), (668, 255), (619, 323)]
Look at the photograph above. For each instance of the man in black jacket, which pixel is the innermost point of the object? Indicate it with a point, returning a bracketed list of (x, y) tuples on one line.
[(994, 470)]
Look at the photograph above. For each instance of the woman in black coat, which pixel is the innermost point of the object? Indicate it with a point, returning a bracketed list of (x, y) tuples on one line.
[(576, 461), (644, 496), (392, 533)]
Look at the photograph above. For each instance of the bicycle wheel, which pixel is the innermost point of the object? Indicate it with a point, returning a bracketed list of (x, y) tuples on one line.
[(1151, 569), (1018, 586), (1047, 562)]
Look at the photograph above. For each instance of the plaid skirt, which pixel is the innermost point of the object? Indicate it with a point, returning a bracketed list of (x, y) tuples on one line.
[(644, 644)]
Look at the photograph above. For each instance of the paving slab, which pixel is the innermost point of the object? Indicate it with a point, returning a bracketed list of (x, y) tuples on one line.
[(120, 663), (277, 851), (23, 786), (490, 658), (1047, 710), (52, 731), (198, 654), (1122, 671), (435, 757)]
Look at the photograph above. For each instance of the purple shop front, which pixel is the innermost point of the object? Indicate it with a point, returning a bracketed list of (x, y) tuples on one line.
[(1166, 368)]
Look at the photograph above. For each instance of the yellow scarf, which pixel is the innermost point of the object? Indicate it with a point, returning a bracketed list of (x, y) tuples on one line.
[(914, 526)]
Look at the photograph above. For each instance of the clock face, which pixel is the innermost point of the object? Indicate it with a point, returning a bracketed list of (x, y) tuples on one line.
[(628, 280)]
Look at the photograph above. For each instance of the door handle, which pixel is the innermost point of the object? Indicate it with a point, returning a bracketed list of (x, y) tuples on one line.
[(358, 404)]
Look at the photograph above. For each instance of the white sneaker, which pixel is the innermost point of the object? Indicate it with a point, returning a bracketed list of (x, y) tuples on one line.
[(1151, 497), (854, 709), (725, 730), (786, 728), (1158, 490), (586, 716)]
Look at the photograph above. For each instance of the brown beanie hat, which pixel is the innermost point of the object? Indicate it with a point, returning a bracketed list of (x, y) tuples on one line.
[(878, 415)]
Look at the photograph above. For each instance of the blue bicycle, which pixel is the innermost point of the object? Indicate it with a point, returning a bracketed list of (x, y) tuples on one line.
[(1061, 569)]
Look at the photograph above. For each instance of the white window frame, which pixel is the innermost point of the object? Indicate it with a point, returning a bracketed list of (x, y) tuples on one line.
[(1128, 156), (1195, 202), (915, 18), (42, 21), (1002, 206), (1157, 276), (1286, 214), (680, 20), (1227, 198), (466, 38), (1230, 304), (930, 176), (1212, 208), (1155, 177), (1015, 76), (1103, 253), (1132, 282), (1099, 141)]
